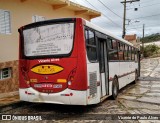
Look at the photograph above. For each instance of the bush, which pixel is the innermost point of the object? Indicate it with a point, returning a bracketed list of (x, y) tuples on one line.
[(151, 50)]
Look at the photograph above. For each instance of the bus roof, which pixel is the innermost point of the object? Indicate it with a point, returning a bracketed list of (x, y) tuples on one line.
[(89, 24), (104, 31)]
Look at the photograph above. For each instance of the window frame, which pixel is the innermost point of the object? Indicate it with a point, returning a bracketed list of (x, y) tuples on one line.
[(2, 73), (38, 24), (7, 26), (121, 44), (133, 53), (125, 52), (129, 53), (90, 45), (112, 48)]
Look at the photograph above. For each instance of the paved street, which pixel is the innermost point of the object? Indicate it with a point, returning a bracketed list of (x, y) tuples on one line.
[(144, 97), (140, 98)]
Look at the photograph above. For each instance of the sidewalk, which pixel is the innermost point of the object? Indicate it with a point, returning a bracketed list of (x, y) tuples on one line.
[(9, 98)]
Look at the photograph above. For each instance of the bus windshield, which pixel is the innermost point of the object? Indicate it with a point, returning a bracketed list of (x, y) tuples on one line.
[(46, 40)]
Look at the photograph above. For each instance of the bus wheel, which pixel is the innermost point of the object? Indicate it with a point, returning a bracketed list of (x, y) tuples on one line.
[(136, 76), (115, 88)]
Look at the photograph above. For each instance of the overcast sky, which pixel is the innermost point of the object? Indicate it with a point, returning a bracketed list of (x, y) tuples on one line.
[(148, 13)]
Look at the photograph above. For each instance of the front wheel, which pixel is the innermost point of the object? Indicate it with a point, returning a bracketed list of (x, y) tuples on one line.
[(115, 88)]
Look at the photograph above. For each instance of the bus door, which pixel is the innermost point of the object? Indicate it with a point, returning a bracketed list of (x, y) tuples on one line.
[(103, 63)]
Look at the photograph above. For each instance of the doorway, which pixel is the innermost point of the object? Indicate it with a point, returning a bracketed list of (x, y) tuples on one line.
[(103, 64)]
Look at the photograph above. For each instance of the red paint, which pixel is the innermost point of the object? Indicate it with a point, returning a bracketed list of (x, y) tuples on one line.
[(22, 65), (74, 67), (80, 79)]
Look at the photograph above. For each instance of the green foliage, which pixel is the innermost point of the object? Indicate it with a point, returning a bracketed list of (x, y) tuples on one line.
[(151, 38), (151, 50)]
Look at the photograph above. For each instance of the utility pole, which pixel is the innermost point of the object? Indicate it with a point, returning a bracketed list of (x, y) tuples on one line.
[(142, 40), (124, 15), (143, 29), (124, 20)]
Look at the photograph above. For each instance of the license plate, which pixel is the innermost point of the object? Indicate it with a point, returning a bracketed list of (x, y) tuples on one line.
[(47, 85), (57, 86)]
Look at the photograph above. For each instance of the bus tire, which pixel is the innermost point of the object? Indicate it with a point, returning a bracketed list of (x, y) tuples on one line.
[(136, 76), (115, 88)]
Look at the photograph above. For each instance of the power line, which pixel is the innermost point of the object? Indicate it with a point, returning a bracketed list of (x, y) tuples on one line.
[(109, 9), (142, 27), (124, 15), (146, 16), (144, 6), (104, 15), (147, 1)]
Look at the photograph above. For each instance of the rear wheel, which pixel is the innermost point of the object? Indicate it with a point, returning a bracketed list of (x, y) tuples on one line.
[(115, 88), (136, 76)]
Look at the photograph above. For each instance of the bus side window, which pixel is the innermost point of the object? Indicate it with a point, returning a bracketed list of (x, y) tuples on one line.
[(91, 45), (110, 47), (129, 53), (86, 36), (121, 51), (126, 52), (110, 44), (113, 50)]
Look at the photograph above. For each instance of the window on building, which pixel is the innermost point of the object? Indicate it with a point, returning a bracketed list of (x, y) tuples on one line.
[(113, 49), (91, 45), (5, 22), (5, 73), (37, 18)]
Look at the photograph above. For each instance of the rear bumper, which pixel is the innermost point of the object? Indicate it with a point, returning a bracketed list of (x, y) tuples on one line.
[(69, 97)]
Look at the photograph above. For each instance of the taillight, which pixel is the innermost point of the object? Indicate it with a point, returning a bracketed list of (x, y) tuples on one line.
[(71, 76)]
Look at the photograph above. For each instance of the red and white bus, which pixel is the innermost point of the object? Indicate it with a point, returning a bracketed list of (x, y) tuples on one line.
[(72, 61)]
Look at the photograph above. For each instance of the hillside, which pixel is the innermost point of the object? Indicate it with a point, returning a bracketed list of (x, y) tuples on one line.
[(151, 38)]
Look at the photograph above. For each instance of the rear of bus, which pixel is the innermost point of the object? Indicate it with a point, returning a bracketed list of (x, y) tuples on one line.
[(52, 62)]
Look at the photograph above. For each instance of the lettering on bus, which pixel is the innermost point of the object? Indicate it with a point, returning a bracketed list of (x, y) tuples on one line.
[(47, 60)]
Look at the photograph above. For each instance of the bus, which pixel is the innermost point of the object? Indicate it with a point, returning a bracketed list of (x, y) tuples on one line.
[(74, 62)]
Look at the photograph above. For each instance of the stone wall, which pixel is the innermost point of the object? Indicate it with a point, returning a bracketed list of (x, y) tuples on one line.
[(10, 84)]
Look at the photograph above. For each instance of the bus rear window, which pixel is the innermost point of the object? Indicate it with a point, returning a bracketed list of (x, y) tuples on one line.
[(55, 39)]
